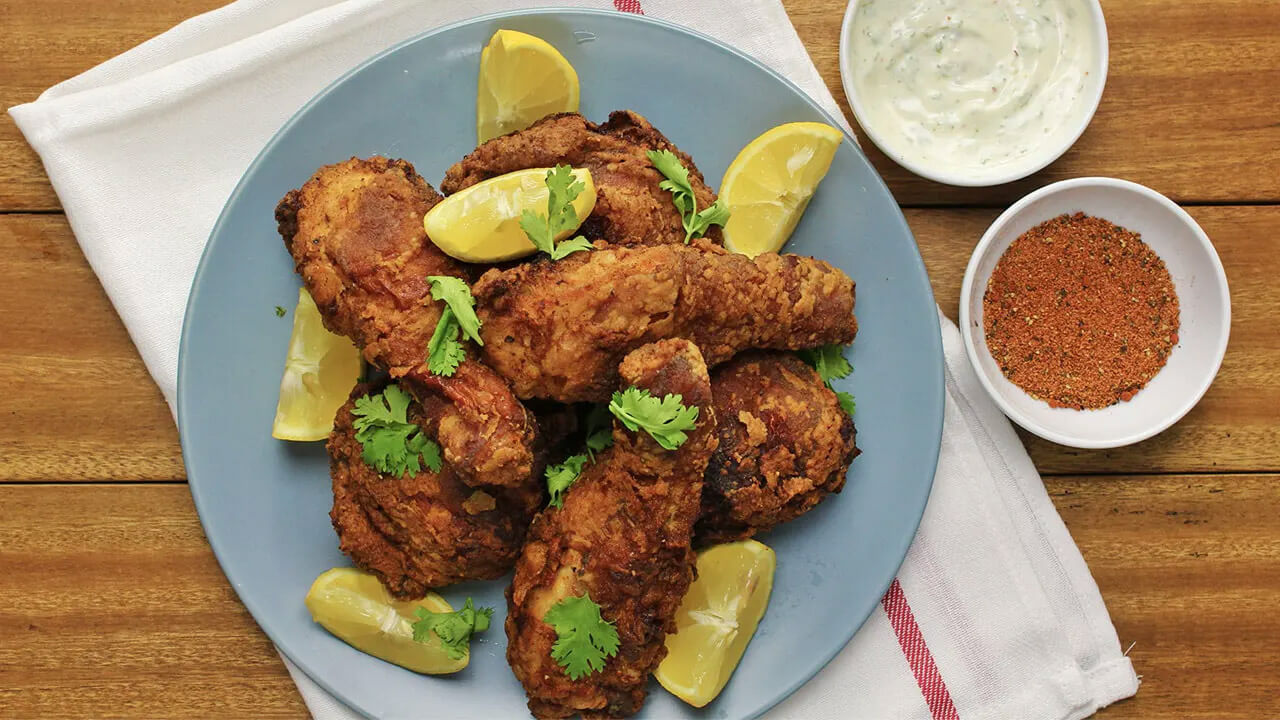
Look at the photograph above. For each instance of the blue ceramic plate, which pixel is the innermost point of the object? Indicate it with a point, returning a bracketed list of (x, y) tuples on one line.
[(265, 503)]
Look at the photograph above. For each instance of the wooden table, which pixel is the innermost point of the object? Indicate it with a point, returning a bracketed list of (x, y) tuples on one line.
[(112, 603)]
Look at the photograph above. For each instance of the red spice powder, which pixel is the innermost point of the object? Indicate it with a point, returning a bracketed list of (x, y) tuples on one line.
[(1080, 313)]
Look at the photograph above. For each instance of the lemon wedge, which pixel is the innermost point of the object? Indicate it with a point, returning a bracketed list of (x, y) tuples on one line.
[(769, 185), (716, 620), (522, 80), (319, 372), (354, 606), (481, 224)]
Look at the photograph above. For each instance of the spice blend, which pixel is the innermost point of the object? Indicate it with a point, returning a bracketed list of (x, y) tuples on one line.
[(1080, 313)]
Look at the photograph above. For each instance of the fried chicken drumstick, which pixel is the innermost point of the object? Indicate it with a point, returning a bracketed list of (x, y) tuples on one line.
[(557, 330), (423, 530), (355, 233), (785, 444), (623, 537), (630, 207)]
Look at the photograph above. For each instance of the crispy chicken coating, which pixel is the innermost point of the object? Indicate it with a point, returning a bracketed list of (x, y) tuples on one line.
[(355, 233), (421, 531), (630, 207), (624, 537), (558, 329), (785, 444)]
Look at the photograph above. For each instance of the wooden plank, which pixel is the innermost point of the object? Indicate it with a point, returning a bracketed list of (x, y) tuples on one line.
[(1185, 112), (79, 404), (93, 379), (114, 605), (1189, 567)]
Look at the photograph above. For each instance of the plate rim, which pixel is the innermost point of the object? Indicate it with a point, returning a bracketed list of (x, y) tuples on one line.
[(817, 662)]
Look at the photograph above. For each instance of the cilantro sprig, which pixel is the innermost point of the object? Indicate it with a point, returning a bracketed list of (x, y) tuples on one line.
[(599, 430), (696, 223), (562, 189), (665, 420), (560, 477), (584, 638), (831, 364), (391, 444), (445, 351), (599, 436), (453, 628)]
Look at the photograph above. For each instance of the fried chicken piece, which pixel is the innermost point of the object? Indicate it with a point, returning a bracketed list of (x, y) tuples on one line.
[(421, 531), (630, 207), (785, 444), (558, 329), (355, 233), (623, 536)]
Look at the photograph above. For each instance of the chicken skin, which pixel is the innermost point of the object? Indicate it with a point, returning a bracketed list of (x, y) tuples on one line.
[(425, 530), (355, 233), (623, 536), (630, 207), (558, 329), (784, 445)]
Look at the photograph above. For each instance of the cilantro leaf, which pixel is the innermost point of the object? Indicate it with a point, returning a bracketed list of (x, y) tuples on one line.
[(391, 444), (571, 246), (831, 364), (599, 430), (717, 214), (599, 425), (453, 628), (560, 477), (598, 441), (539, 232), (457, 296), (562, 189), (846, 401), (280, 311), (445, 351), (676, 174), (829, 361), (695, 223), (665, 420), (584, 638)]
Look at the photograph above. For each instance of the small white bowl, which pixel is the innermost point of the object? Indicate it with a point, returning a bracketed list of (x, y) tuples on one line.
[(966, 177), (1203, 298)]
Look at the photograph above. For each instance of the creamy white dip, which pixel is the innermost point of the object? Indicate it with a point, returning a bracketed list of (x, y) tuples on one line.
[(972, 88)]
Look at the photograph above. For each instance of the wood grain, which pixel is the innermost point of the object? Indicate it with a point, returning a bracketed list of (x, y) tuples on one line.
[(1189, 109), (117, 602), (93, 375), (1188, 566), (113, 605), (79, 404)]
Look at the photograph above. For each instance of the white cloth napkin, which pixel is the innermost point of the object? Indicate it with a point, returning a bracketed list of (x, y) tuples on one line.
[(994, 613)]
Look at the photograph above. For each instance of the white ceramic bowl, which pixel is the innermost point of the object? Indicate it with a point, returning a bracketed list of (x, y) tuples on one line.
[(1204, 305), (1033, 162)]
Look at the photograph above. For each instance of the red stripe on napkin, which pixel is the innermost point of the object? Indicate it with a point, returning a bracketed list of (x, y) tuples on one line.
[(918, 656), (631, 6)]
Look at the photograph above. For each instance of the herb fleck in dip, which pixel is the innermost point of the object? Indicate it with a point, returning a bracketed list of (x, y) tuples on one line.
[(1080, 313)]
